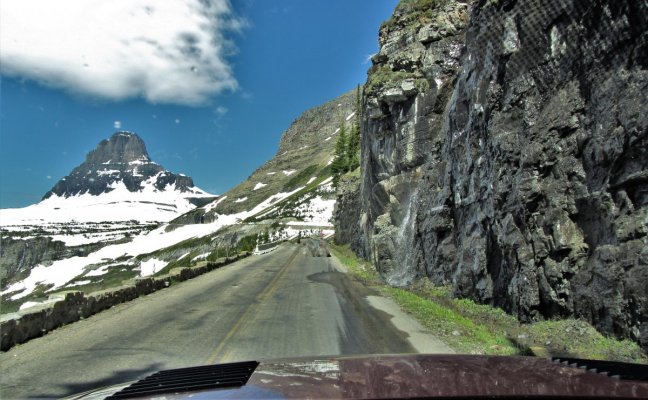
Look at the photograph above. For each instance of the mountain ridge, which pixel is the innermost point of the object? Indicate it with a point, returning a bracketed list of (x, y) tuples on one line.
[(305, 151)]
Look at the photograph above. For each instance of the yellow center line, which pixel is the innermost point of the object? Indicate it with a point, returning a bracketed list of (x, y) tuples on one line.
[(247, 314)]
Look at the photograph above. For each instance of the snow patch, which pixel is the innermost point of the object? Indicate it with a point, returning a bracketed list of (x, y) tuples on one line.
[(78, 283), (140, 161), (107, 172), (201, 256), (240, 200), (350, 116), (289, 172), (325, 181), (29, 304), (149, 267), (317, 212), (259, 186)]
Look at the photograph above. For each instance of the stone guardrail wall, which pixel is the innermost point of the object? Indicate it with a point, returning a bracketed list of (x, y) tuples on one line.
[(76, 305), (267, 247)]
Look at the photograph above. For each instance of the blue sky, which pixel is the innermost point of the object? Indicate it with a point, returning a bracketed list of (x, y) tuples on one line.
[(268, 61)]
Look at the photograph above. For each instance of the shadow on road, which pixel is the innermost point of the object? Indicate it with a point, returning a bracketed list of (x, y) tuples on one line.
[(117, 377)]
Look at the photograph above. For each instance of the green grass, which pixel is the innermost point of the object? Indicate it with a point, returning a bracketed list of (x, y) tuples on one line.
[(359, 269), (300, 178), (188, 244), (383, 76), (574, 337), (461, 333), (409, 6), (473, 328), (414, 12)]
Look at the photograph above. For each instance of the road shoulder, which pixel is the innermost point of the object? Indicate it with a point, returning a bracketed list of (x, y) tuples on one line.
[(418, 336)]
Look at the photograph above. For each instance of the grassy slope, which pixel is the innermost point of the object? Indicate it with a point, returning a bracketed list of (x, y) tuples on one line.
[(304, 149), (474, 328)]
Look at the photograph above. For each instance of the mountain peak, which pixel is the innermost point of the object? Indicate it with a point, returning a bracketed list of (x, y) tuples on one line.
[(122, 147), (120, 160)]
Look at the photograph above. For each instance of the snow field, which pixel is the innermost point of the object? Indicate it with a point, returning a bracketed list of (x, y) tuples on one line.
[(120, 204), (63, 271)]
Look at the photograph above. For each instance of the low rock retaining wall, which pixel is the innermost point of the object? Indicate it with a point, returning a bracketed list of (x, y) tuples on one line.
[(76, 305)]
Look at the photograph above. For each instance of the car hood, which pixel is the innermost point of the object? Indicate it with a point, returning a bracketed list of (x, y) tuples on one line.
[(414, 376)]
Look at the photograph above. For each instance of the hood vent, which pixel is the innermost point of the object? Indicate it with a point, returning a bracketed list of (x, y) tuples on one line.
[(190, 379), (618, 370)]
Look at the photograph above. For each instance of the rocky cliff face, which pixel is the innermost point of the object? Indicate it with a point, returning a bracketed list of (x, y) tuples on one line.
[(122, 158), (505, 153)]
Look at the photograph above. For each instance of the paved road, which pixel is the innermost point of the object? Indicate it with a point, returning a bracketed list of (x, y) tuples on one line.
[(286, 303)]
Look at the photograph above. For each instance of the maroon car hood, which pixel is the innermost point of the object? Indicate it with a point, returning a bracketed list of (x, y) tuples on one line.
[(420, 376)]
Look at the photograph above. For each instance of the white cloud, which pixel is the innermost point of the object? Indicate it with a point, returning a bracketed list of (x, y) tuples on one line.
[(177, 120), (117, 125), (49, 177), (164, 51), (221, 111)]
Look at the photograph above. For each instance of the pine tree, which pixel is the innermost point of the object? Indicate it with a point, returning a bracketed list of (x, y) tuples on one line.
[(340, 160), (353, 148), (358, 104), (353, 152)]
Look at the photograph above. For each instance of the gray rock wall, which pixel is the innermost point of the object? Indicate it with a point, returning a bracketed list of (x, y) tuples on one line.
[(346, 213), (406, 96), (515, 167)]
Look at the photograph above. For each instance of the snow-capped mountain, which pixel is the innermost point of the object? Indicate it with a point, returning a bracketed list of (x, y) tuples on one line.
[(118, 181)]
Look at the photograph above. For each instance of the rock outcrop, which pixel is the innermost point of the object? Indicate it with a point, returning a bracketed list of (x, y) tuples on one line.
[(505, 154), (347, 210)]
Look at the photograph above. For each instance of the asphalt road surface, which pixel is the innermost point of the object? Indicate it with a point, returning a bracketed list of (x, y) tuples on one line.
[(286, 303)]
